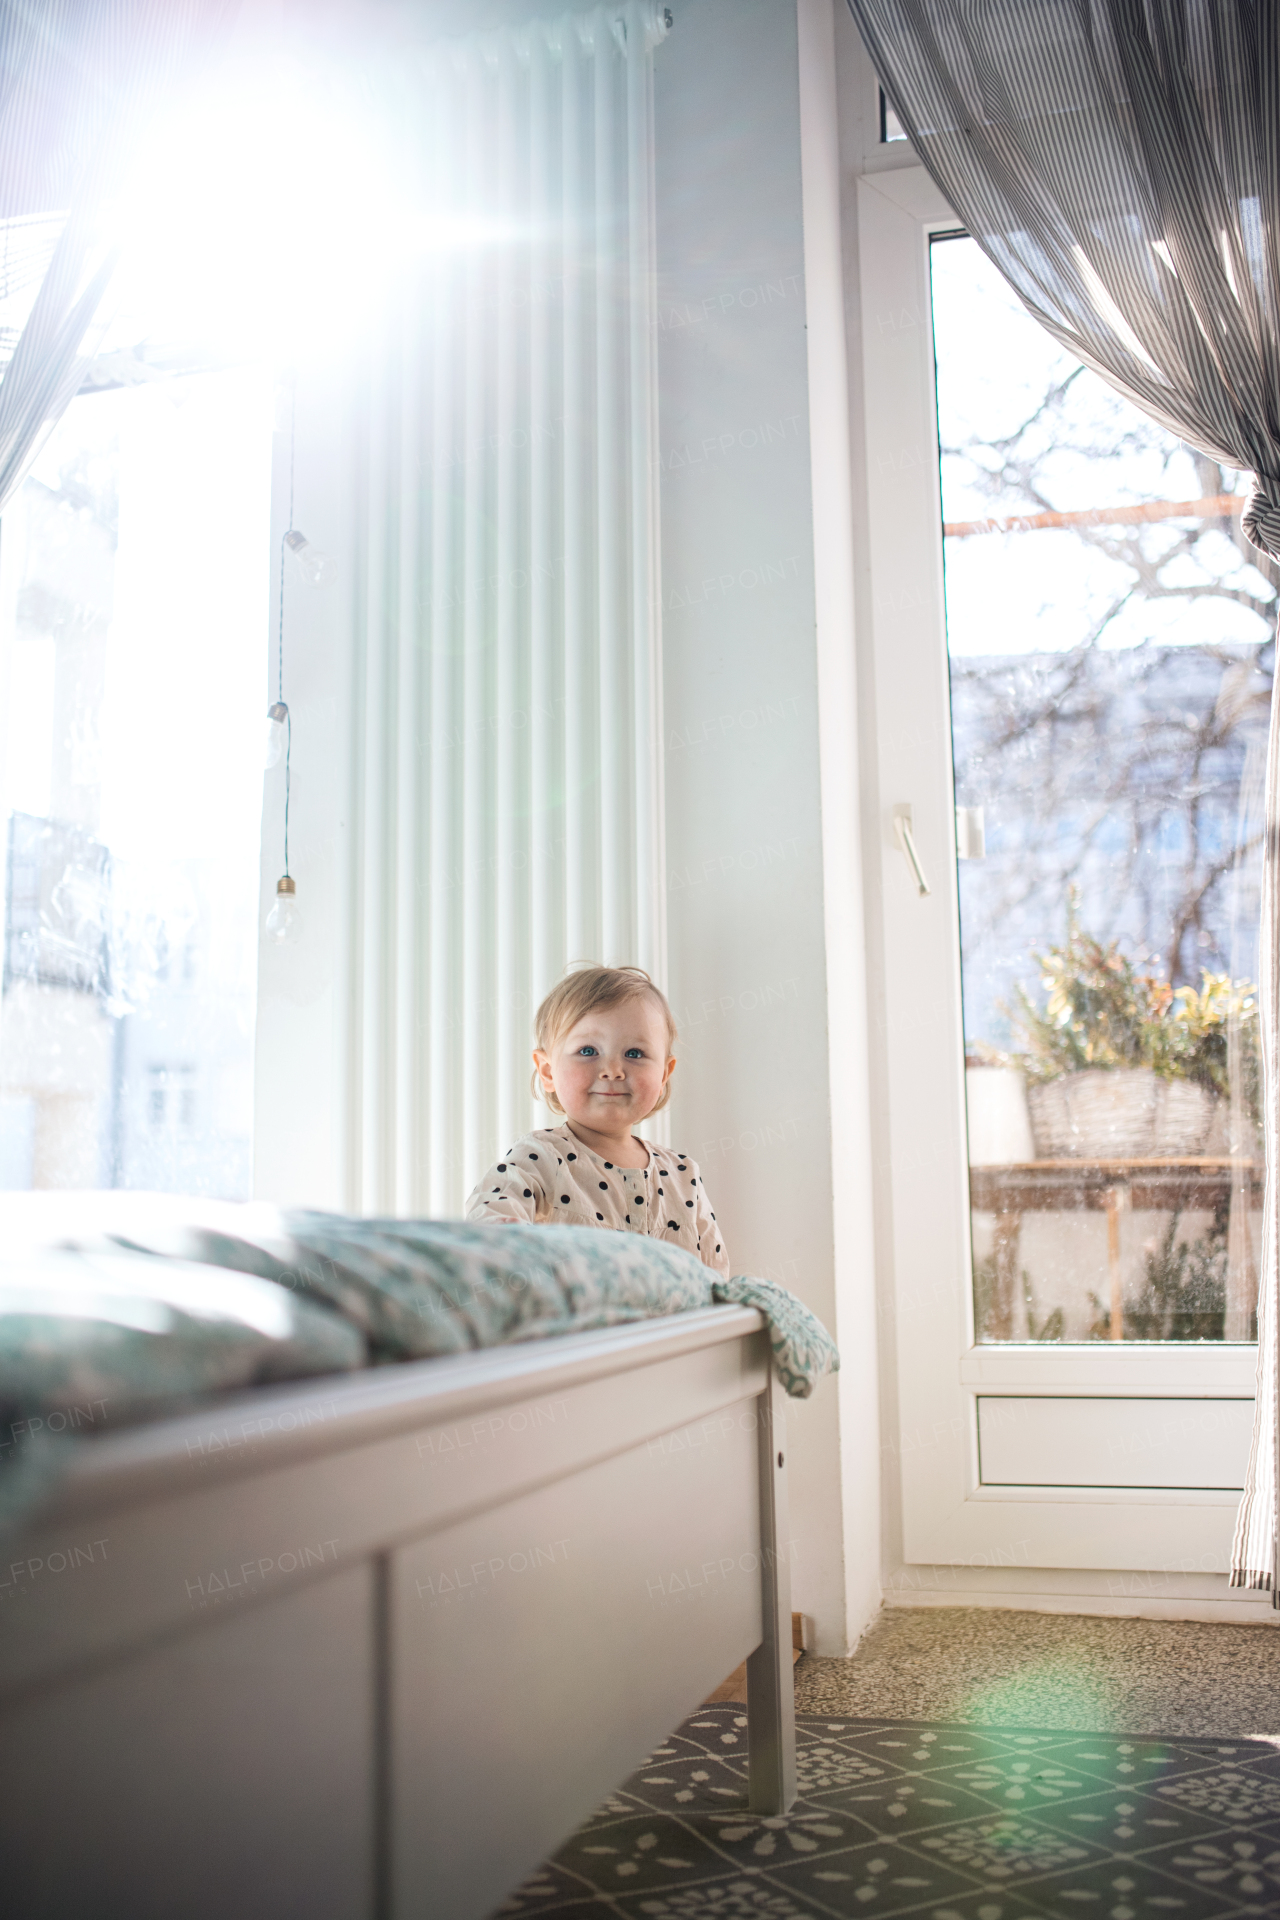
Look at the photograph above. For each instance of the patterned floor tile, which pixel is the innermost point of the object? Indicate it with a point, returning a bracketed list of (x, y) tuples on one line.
[(1143, 1764), (1128, 1890), (1008, 1904), (1128, 1823), (731, 1899), (934, 1822), (898, 1806), (971, 1754), (720, 1727), (826, 1762), (693, 1783), (552, 1891), (1021, 1779), (1236, 1792), (1244, 1866), (755, 1839), (1005, 1847), (613, 1808), (641, 1851), (910, 1748), (879, 1877)]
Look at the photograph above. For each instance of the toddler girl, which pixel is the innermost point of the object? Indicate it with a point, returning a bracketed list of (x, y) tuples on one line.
[(604, 1061)]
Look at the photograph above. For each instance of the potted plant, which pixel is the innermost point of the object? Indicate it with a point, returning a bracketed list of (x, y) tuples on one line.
[(1122, 1065)]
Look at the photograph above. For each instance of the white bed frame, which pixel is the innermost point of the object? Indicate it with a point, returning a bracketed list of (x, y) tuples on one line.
[(373, 1646)]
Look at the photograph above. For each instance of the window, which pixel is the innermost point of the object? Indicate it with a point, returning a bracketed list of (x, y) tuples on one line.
[(171, 1097), (890, 125), (1109, 638), (134, 588)]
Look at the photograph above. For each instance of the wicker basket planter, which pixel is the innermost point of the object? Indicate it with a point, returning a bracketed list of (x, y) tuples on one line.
[(1184, 1115), (1120, 1113)]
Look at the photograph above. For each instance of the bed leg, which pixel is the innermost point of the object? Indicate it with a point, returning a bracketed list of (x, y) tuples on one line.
[(771, 1710)]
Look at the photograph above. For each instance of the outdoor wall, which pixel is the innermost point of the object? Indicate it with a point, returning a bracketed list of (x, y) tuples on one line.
[(748, 666)]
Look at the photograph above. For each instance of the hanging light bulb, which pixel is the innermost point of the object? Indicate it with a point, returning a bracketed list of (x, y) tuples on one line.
[(284, 922), (316, 568), (277, 721)]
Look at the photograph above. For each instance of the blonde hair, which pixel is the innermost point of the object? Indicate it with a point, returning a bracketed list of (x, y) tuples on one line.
[(579, 994)]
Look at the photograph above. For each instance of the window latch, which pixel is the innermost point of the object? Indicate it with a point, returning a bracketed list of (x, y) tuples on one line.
[(906, 842), (971, 834)]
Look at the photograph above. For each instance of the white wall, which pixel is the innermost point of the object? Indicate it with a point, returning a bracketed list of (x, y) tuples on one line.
[(756, 648), (760, 738)]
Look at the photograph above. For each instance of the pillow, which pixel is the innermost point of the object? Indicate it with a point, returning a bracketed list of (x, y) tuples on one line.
[(95, 1340)]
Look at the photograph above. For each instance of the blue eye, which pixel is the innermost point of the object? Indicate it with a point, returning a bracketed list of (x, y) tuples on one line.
[(634, 1053), (586, 1050)]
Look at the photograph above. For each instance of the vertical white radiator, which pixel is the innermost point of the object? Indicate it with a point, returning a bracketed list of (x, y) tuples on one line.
[(507, 804)]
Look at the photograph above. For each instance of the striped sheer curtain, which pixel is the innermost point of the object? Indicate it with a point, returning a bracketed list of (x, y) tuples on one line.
[(1119, 162), (77, 79), (508, 711)]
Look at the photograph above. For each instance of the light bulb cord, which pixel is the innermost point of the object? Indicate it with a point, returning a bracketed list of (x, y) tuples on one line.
[(293, 421), (280, 635), (288, 735), (288, 746)]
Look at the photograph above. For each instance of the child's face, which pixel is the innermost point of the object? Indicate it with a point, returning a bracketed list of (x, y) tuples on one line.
[(609, 1070)]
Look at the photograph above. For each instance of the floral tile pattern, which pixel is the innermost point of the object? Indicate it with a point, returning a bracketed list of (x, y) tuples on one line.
[(1230, 1792), (1005, 1848), (938, 1822)]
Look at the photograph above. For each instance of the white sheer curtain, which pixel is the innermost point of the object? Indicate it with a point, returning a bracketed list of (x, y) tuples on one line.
[(508, 785), (77, 79), (1120, 163)]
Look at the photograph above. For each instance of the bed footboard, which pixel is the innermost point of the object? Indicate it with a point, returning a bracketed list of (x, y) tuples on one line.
[(374, 1646)]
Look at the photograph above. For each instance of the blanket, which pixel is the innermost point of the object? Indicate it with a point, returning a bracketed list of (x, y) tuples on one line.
[(121, 1308), (421, 1287)]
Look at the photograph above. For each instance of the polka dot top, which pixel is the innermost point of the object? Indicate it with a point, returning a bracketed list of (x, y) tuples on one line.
[(550, 1177)]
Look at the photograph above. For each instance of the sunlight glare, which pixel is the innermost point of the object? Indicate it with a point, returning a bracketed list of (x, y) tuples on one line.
[(268, 215)]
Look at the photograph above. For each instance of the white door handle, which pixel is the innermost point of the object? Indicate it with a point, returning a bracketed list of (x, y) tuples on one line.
[(906, 841)]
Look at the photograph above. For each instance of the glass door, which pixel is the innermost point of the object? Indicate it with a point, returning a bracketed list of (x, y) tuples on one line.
[(1065, 664), (1110, 652)]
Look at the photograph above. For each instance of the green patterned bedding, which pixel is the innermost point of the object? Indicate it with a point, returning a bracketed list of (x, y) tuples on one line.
[(424, 1287), (118, 1308)]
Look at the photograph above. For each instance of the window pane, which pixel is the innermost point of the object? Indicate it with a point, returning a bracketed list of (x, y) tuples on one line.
[(133, 602), (1110, 643)]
